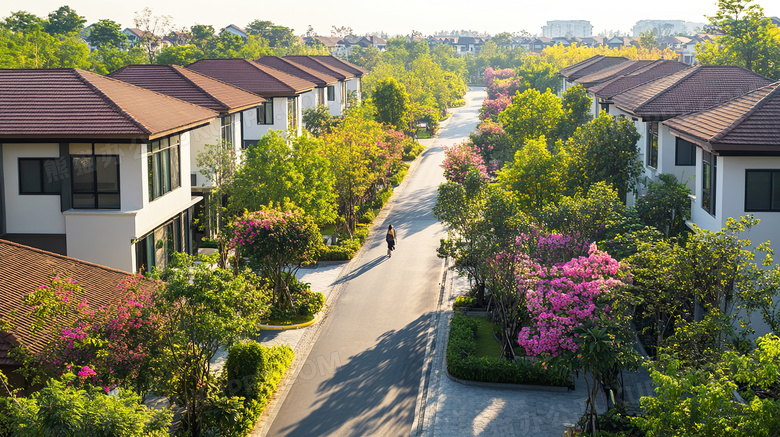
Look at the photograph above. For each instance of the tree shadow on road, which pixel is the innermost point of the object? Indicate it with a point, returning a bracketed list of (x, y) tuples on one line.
[(359, 390)]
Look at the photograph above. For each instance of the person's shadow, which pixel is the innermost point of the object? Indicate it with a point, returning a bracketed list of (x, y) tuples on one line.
[(362, 269)]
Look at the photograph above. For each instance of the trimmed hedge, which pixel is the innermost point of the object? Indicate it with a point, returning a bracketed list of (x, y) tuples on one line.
[(463, 363), (253, 372)]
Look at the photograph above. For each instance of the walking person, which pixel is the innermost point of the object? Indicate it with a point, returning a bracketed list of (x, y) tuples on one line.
[(390, 238)]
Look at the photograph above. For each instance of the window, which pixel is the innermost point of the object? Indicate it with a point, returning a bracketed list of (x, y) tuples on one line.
[(95, 181), (164, 170), (292, 112), (762, 190), (652, 144), (331, 93), (156, 248), (709, 172), (226, 129), (40, 175), (265, 113), (320, 96), (684, 153)]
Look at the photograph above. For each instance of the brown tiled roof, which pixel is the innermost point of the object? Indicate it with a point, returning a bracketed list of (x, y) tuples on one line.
[(310, 62), (189, 85), (281, 64), (750, 123), (72, 103), (648, 73), (616, 70), (24, 269), (344, 65), (590, 66), (689, 90), (251, 76)]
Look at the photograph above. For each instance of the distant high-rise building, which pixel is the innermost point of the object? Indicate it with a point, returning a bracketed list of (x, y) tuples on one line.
[(666, 27), (567, 28)]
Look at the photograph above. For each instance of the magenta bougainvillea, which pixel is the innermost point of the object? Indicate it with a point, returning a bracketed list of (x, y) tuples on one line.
[(492, 107), (562, 297), (106, 345), (491, 74), (459, 160)]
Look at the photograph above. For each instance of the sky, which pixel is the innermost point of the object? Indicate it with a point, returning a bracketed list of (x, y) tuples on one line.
[(394, 17)]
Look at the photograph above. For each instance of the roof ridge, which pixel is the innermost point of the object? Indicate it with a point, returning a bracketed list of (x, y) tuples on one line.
[(80, 74), (65, 257), (260, 66), (684, 77), (177, 69), (760, 104)]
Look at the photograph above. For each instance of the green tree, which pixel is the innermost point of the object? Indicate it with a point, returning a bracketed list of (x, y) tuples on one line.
[(531, 115), (179, 55), (277, 36), (392, 104), (206, 308), (701, 401), (605, 150), (647, 40), (749, 39), (583, 215), (352, 149), (107, 33), (63, 21), (287, 171), (576, 111), (503, 39), (71, 407), (318, 120), (536, 177), (21, 21), (666, 206), (108, 58)]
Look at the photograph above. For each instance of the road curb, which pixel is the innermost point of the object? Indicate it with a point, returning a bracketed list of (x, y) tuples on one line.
[(506, 386), (287, 327)]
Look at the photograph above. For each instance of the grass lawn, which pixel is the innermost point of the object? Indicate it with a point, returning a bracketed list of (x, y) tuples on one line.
[(423, 134), (487, 346)]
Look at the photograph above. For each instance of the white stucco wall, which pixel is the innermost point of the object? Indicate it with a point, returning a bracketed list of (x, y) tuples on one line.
[(336, 106), (254, 131), (667, 150), (29, 213), (209, 134), (354, 86)]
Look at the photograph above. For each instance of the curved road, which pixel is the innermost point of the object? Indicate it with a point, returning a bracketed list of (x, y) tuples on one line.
[(370, 351)]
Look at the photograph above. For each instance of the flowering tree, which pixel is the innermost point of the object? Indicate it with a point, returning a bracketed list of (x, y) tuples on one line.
[(278, 242), (492, 107), (459, 160), (491, 74), (492, 144), (109, 344)]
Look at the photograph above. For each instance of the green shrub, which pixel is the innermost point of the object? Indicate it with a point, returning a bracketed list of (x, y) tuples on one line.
[(368, 216), (337, 252), (382, 197), (399, 175), (209, 243), (463, 363), (464, 302), (309, 304), (458, 103), (412, 150)]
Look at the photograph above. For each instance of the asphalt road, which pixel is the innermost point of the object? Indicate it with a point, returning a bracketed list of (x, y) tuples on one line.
[(362, 376)]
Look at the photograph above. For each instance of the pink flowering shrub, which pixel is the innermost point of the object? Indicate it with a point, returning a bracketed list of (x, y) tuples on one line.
[(492, 144), (459, 160), (490, 74), (492, 107), (108, 344), (562, 297), (277, 243)]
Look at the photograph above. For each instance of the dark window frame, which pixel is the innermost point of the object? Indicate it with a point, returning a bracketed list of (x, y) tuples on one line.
[(176, 238), (774, 182), (164, 166), (292, 112), (652, 144), (226, 128), (264, 110), (42, 177), (95, 191), (678, 144), (709, 166), (331, 93)]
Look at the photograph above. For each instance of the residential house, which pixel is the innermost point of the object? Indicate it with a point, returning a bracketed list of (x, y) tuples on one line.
[(235, 30), (689, 90), (233, 104), (354, 83), (323, 81), (565, 28), (737, 165), (22, 271), (592, 41), (540, 43), (591, 65), (607, 74), (282, 91), (602, 93), (331, 43), (337, 93), (688, 50), (92, 167), (617, 42), (133, 36)]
